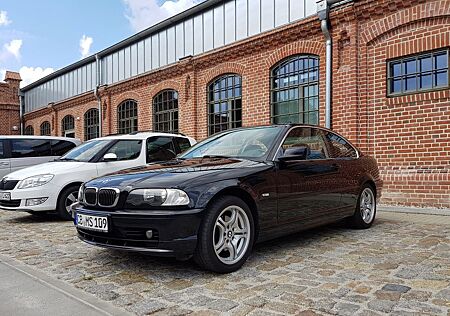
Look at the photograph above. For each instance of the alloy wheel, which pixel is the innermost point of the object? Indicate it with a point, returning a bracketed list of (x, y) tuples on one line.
[(367, 205), (231, 234), (71, 198)]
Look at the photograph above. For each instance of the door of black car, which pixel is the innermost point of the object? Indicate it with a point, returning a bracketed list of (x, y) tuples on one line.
[(346, 158), (308, 180)]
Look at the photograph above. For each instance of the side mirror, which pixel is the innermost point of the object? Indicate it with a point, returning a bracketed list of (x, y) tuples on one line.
[(295, 153), (110, 157)]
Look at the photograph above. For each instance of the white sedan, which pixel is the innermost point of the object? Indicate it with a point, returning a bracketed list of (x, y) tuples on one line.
[(54, 186)]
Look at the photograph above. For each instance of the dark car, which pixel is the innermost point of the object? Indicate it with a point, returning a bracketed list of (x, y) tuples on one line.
[(217, 199)]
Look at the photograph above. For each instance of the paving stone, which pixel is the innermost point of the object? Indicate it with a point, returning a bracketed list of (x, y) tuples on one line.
[(396, 288), (222, 305), (381, 305), (346, 308)]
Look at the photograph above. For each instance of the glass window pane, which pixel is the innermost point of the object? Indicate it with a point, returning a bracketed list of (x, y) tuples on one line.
[(208, 36), (441, 79), (410, 66), (241, 19), (426, 81), (425, 64), (148, 54), (198, 34), (267, 15), (219, 32), (127, 62), (121, 64), (230, 25), (140, 57), (441, 61), (155, 51), (162, 48), (134, 59), (188, 37), (254, 21), (171, 53), (180, 41), (282, 12), (296, 10)]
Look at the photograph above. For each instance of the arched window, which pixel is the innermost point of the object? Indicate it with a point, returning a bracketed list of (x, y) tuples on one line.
[(295, 90), (45, 128), (68, 126), (165, 111), (91, 126), (29, 130), (127, 117), (224, 103)]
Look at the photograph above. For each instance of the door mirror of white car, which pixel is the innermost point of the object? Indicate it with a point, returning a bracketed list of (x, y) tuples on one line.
[(110, 157)]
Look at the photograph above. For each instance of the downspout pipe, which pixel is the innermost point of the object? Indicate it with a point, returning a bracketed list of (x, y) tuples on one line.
[(97, 95), (323, 9), (21, 111)]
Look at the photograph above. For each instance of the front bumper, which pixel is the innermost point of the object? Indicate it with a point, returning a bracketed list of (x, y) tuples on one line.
[(19, 197), (174, 232)]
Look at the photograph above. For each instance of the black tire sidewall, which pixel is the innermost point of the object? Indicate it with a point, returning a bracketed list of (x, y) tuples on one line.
[(61, 205), (206, 243)]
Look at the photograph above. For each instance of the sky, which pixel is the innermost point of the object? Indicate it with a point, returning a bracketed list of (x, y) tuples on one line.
[(38, 37)]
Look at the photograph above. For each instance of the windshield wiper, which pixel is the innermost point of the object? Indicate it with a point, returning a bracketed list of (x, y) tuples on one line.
[(215, 156), (65, 159)]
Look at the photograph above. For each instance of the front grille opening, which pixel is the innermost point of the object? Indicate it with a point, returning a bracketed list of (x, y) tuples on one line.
[(8, 184), (107, 197), (107, 239), (90, 196)]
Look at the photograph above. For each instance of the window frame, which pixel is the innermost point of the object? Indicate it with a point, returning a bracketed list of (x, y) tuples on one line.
[(172, 122), (228, 100), (134, 119), (401, 60), (298, 86), (44, 125), (29, 130), (64, 123), (91, 121)]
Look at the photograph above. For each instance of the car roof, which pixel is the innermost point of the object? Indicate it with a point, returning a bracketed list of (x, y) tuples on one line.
[(143, 135), (70, 139)]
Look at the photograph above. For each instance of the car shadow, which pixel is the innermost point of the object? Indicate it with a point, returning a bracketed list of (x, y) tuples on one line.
[(275, 249), (36, 218)]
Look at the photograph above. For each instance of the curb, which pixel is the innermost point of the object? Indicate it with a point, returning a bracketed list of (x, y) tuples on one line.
[(414, 210)]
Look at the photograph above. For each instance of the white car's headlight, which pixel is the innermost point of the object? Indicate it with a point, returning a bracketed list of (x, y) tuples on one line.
[(35, 181), (158, 197)]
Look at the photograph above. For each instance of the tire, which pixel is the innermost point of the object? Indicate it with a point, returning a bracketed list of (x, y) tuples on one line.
[(233, 239), (64, 198), (365, 212)]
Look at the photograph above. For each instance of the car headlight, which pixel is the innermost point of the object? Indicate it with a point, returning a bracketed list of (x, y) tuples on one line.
[(158, 197), (35, 181)]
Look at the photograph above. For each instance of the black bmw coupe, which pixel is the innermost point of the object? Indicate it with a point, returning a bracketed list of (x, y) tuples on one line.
[(241, 186)]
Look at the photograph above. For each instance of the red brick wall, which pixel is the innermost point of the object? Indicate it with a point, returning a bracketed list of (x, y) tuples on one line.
[(408, 135), (9, 107)]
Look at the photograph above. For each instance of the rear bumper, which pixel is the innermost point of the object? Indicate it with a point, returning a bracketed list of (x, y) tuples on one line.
[(174, 232)]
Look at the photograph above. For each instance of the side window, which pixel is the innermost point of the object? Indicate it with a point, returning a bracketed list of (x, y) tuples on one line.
[(183, 143), (23, 148), (60, 147), (2, 150), (310, 140), (339, 147), (126, 149), (160, 148)]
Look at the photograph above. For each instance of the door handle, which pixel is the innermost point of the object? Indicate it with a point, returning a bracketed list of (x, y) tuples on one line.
[(4, 163)]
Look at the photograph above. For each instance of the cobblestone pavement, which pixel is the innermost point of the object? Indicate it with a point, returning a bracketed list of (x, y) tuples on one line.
[(399, 267)]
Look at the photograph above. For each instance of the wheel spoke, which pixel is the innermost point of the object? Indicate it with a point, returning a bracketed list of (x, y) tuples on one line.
[(71, 197), (232, 250), (220, 246)]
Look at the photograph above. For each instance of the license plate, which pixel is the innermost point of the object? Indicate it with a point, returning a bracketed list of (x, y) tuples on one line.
[(5, 196), (98, 223)]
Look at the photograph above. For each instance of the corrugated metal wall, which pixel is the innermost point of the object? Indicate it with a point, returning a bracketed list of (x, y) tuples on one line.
[(226, 23)]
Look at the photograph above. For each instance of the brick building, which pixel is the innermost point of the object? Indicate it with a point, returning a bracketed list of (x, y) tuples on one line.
[(9, 104), (227, 63)]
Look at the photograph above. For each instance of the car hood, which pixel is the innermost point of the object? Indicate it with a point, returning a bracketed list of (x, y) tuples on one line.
[(181, 173), (54, 167)]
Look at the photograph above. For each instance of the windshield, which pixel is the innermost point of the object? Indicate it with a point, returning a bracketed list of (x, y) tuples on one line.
[(86, 151), (245, 143)]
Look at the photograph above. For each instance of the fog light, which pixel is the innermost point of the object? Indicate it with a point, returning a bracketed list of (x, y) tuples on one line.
[(149, 234), (37, 201)]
